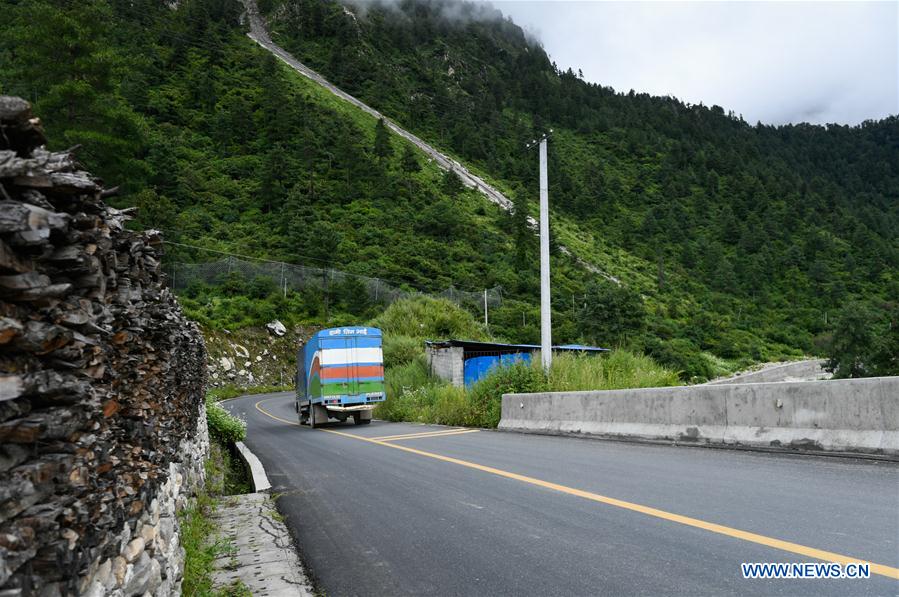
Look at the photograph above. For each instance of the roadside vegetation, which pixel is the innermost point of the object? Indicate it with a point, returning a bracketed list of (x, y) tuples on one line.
[(225, 475), (199, 531), (229, 391), (223, 426), (864, 342), (414, 395)]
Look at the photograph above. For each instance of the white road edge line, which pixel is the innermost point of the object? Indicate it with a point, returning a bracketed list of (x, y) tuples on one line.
[(260, 479)]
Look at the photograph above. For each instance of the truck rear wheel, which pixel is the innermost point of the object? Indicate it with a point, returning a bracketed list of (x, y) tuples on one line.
[(311, 416), (358, 420)]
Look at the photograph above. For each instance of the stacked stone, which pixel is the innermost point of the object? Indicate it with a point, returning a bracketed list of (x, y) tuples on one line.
[(101, 384)]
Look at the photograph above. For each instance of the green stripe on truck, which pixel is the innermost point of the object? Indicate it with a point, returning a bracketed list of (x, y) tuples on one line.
[(363, 387)]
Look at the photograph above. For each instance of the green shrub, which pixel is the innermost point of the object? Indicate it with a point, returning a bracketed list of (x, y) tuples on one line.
[(399, 350), (683, 356), (399, 381), (485, 396), (429, 318), (451, 406), (733, 344), (407, 376), (222, 425)]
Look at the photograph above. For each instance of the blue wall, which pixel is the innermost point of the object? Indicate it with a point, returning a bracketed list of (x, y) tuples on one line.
[(477, 367)]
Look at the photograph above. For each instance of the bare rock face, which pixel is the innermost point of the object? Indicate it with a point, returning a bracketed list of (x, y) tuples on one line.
[(101, 382)]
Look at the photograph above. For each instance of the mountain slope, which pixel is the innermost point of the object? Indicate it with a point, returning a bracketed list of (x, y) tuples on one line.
[(731, 241), (260, 35), (759, 229), (233, 152)]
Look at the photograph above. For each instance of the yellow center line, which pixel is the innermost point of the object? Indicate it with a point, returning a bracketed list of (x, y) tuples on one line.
[(818, 554), (424, 433), (271, 416), (428, 434), (454, 431)]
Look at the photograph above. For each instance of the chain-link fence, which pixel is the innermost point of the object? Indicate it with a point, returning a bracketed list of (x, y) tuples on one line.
[(299, 278)]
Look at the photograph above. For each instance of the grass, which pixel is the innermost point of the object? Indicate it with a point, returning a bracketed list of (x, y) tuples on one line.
[(199, 553), (225, 475), (618, 370), (198, 529), (231, 391), (413, 395)]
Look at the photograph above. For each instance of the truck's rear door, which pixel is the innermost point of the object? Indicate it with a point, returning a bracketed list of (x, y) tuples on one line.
[(338, 377)]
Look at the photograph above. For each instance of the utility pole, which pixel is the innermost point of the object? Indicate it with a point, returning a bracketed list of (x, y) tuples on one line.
[(485, 308), (546, 343), (546, 330)]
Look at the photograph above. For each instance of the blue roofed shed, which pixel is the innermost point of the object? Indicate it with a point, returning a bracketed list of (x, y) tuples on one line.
[(463, 362)]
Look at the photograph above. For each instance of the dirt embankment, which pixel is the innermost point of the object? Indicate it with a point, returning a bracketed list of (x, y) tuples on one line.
[(254, 356)]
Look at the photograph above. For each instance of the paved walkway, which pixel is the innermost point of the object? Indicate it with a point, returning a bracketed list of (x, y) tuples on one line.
[(263, 556)]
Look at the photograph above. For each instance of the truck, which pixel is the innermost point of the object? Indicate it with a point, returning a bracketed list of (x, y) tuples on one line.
[(340, 373)]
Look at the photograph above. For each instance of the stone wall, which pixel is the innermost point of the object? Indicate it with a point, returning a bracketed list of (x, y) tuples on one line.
[(102, 426)]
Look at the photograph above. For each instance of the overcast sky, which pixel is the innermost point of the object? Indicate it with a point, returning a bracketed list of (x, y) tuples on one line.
[(777, 62)]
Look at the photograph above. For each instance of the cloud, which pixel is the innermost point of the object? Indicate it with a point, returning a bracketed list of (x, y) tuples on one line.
[(776, 62), (454, 10)]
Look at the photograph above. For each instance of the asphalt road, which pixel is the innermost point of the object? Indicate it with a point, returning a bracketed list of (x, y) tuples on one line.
[(491, 513)]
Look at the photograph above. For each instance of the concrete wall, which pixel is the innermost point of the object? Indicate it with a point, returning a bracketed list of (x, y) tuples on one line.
[(857, 415), (447, 364), (810, 370)]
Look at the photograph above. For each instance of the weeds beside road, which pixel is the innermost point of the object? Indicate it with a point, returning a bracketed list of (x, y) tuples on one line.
[(414, 395)]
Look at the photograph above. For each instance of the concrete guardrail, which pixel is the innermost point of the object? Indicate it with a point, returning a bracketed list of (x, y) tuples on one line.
[(858, 416)]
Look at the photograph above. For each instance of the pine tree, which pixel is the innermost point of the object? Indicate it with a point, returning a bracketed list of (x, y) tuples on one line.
[(610, 314), (383, 148), (521, 232), (849, 351), (452, 184), (409, 162), (59, 60)]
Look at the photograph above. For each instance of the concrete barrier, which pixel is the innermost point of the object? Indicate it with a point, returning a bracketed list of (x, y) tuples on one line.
[(846, 416), (254, 465)]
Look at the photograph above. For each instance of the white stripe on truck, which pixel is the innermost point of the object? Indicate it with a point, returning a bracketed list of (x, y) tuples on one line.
[(349, 356)]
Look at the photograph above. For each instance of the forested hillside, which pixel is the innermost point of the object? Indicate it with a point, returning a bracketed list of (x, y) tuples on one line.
[(732, 241), (221, 146), (772, 230)]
